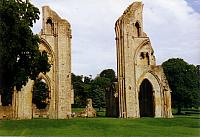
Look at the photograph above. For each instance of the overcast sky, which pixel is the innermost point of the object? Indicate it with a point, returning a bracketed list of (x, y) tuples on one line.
[(172, 25)]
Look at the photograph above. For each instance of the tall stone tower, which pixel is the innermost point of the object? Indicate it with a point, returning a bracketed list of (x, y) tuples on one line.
[(56, 41), (142, 88), (56, 33)]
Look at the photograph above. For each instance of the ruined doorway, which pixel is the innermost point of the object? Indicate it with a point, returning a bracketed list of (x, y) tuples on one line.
[(146, 99)]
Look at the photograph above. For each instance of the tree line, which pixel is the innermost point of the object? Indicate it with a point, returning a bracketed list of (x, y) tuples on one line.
[(183, 79), (86, 87)]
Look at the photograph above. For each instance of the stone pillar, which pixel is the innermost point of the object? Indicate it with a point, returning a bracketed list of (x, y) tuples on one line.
[(56, 33), (90, 111), (89, 102)]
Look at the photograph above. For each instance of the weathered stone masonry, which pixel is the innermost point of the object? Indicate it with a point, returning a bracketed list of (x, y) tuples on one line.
[(142, 89), (56, 41)]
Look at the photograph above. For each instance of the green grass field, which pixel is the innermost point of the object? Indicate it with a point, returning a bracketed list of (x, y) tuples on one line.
[(180, 126)]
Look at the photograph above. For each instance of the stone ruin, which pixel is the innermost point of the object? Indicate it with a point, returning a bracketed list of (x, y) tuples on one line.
[(56, 41), (142, 89), (89, 111)]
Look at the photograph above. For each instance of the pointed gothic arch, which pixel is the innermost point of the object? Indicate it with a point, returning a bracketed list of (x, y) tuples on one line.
[(146, 99), (50, 25), (146, 57), (156, 84), (46, 78), (47, 47)]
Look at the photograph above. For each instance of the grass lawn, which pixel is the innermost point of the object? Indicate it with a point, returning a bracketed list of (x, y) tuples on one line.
[(180, 126)]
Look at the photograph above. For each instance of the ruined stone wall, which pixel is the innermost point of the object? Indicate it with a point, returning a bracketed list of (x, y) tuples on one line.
[(56, 41), (22, 102), (57, 33), (136, 62), (6, 112), (40, 113)]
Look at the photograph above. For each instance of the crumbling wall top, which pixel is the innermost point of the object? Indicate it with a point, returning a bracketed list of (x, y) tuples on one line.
[(133, 7), (48, 12), (130, 10), (53, 24)]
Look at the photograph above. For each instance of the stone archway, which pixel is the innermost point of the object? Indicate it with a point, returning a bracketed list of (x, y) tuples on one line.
[(41, 97), (146, 99)]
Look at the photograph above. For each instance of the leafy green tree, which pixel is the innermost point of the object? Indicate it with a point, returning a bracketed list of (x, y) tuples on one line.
[(82, 87), (108, 73), (40, 94), (78, 90), (20, 58), (183, 80), (99, 87), (86, 87)]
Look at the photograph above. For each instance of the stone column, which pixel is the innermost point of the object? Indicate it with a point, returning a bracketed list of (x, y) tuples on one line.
[(90, 111)]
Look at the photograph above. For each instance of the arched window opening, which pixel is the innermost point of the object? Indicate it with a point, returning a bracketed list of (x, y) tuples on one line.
[(137, 26), (49, 21), (146, 99), (50, 26)]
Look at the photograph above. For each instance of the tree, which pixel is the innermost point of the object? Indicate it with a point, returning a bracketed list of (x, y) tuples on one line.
[(108, 73), (40, 93), (99, 87), (20, 58), (78, 89), (183, 80), (86, 87), (82, 87)]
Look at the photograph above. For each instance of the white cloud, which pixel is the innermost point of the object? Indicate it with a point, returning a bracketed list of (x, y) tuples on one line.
[(172, 26)]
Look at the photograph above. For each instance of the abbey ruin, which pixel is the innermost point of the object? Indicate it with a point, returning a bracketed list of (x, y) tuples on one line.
[(142, 89), (56, 41)]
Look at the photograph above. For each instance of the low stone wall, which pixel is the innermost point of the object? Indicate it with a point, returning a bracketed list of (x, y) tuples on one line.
[(6, 112), (40, 113)]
